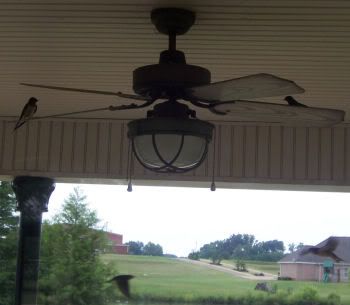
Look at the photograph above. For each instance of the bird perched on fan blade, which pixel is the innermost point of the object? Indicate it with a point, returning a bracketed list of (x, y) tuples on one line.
[(122, 282), (27, 113), (327, 250)]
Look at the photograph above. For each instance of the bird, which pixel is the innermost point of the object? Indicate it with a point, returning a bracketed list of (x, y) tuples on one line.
[(327, 250), (293, 102), (122, 282), (27, 113)]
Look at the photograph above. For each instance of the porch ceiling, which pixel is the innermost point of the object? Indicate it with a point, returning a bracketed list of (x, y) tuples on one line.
[(97, 45)]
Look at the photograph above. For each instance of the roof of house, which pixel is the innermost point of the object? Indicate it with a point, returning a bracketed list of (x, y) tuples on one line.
[(114, 234), (342, 251)]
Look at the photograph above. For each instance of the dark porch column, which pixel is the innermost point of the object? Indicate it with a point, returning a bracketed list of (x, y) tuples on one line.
[(32, 194)]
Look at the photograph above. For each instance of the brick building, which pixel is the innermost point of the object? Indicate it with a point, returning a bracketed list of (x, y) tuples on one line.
[(116, 243)]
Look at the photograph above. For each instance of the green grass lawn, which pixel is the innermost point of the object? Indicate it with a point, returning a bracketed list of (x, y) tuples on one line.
[(168, 279)]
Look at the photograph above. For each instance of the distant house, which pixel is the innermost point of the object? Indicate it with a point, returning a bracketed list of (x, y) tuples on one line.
[(116, 243), (312, 267)]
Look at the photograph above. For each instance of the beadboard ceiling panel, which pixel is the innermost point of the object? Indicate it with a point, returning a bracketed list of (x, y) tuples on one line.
[(84, 150), (97, 45)]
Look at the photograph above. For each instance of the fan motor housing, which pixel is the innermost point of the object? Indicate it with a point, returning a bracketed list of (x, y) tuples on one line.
[(168, 79)]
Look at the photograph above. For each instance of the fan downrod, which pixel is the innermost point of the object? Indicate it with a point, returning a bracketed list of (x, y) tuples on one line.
[(172, 75)]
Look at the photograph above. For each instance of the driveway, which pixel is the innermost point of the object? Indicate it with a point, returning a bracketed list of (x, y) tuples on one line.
[(228, 269)]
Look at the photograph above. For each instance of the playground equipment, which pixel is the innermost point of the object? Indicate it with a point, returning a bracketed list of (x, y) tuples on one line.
[(327, 270)]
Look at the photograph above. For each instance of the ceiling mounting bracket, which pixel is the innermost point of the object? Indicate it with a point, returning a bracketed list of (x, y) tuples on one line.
[(172, 21)]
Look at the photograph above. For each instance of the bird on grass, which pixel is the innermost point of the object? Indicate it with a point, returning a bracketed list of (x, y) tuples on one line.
[(27, 113), (327, 250), (122, 282)]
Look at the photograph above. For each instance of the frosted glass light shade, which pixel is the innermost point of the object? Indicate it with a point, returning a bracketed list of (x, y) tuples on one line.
[(170, 145)]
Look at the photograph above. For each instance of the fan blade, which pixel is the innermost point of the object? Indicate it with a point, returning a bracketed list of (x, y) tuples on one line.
[(284, 114), (120, 94), (248, 87)]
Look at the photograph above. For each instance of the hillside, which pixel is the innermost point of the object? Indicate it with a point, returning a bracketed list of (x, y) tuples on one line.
[(166, 279)]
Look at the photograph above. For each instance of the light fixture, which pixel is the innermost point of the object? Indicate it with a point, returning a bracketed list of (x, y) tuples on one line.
[(168, 140)]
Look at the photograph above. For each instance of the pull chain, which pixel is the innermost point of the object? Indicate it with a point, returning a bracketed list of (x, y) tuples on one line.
[(128, 168), (213, 186)]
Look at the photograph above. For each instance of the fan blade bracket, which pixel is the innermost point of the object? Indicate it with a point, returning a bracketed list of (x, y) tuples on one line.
[(122, 107), (199, 103), (216, 111), (131, 106), (293, 102), (213, 110)]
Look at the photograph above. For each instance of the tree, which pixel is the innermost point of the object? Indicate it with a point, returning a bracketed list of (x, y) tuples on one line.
[(299, 246), (9, 223), (242, 246), (8, 219), (213, 251), (291, 247), (271, 246), (236, 242), (135, 247), (71, 270), (271, 250), (194, 255), (239, 253), (152, 249)]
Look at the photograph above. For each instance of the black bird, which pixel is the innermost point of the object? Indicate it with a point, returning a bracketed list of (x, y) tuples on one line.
[(27, 113), (293, 102), (122, 282), (327, 250)]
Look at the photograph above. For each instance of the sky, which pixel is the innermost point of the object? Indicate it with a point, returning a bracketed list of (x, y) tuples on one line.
[(184, 219)]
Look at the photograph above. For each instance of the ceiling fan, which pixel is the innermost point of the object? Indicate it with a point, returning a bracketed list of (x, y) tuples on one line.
[(173, 80)]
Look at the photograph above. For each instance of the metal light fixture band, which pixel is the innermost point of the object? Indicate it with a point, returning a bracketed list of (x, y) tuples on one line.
[(167, 165), (167, 125)]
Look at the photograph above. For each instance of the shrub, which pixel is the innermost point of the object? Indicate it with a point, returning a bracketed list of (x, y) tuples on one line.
[(240, 265), (284, 278), (333, 299), (308, 296), (194, 256)]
